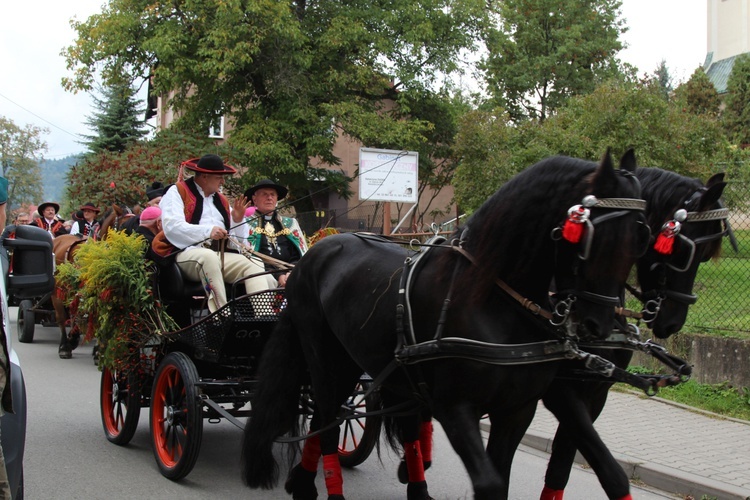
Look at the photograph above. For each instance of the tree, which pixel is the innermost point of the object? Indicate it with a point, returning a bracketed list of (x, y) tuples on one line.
[(116, 121), (736, 116), (663, 79), (292, 75), (699, 94), (122, 177), (616, 115), (545, 51), (21, 150)]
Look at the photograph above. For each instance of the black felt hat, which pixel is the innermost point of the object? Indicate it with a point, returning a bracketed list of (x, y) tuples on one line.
[(155, 190), (209, 164), (267, 183), (46, 204)]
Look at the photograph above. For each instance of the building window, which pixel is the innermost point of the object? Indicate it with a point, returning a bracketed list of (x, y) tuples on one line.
[(216, 130)]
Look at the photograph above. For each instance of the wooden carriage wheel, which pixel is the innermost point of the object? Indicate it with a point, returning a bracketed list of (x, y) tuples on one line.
[(358, 436), (176, 418), (120, 405)]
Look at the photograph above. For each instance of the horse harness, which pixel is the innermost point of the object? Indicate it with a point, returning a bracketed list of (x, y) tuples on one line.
[(564, 347)]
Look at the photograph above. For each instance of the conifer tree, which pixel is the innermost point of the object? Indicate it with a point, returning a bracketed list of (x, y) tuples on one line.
[(700, 94), (116, 121)]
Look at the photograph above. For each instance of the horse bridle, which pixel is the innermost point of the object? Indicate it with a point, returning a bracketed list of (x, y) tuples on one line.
[(652, 299), (620, 207)]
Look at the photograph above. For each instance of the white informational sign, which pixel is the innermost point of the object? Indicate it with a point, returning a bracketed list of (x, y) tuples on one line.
[(388, 175)]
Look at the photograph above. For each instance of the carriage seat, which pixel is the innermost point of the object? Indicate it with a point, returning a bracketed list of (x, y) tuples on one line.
[(175, 287)]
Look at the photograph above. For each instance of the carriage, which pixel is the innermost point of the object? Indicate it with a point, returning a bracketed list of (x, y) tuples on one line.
[(205, 370), (30, 279)]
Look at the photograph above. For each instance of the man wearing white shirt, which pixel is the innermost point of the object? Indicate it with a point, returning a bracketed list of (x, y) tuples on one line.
[(195, 213)]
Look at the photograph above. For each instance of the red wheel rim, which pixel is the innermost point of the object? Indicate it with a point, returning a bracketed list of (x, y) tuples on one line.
[(113, 403), (352, 430), (169, 416)]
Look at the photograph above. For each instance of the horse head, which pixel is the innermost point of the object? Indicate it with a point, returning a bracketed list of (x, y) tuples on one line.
[(114, 219), (597, 245), (688, 222)]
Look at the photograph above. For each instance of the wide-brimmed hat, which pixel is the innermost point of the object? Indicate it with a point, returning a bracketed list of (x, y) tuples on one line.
[(209, 164), (155, 190), (46, 204), (267, 183), (89, 206)]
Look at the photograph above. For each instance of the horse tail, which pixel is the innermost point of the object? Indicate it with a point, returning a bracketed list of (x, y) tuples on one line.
[(275, 404)]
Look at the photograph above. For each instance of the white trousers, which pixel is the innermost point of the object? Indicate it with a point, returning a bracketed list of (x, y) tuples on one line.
[(204, 265)]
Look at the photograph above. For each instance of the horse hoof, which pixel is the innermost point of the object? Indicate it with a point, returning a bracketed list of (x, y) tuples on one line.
[(64, 353), (301, 484), (74, 341), (403, 472), (418, 491), (336, 497)]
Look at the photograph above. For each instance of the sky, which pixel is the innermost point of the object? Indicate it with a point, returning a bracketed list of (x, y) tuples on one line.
[(33, 33)]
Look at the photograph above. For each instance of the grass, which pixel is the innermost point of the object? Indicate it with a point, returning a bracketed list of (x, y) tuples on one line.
[(722, 399)]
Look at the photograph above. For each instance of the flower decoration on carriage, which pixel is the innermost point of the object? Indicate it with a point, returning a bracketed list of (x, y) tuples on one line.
[(578, 215), (669, 231)]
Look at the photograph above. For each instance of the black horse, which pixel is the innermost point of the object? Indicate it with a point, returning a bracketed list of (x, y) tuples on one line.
[(666, 280), (470, 306)]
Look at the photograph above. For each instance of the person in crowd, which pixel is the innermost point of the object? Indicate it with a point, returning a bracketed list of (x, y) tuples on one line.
[(89, 226), (197, 221), (6, 404), (47, 220), (271, 234), (154, 193), (149, 226), (22, 219)]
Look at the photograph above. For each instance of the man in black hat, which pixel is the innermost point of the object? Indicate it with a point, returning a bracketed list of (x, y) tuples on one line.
[(89, 226), (197, 219), (271, 234), (47, 220)]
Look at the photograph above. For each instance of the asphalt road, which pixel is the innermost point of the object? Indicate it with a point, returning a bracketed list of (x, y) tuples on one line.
[(68, 457)]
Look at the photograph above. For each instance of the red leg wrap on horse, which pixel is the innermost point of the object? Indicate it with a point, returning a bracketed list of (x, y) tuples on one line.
[(425, 440), (626, 497), (311, 454), (414, 464), (550, 494), (332, 474)]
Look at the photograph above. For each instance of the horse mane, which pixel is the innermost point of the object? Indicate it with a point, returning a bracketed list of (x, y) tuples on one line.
[(667, 192), (512, 228)]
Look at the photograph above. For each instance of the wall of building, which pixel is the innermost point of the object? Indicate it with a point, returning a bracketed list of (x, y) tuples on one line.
[(728, 28)]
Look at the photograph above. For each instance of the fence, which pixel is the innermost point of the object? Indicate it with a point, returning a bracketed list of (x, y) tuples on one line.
[(722, 286)]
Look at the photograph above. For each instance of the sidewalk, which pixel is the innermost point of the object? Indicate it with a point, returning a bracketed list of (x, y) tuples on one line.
[(667, 446)]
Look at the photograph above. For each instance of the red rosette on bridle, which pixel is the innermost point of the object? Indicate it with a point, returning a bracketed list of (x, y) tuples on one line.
[(665, 241), (572, 230)]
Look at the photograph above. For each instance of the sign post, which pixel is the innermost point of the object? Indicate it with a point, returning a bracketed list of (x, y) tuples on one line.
[(388, 175)]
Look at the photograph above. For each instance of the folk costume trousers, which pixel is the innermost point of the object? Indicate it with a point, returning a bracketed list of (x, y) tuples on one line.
[(204, 265)]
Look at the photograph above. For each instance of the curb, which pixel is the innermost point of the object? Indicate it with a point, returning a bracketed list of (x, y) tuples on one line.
[(657, 476)]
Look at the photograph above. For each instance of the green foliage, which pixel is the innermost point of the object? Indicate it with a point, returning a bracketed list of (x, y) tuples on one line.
[(700, 94), (21, 150), (545, 51), (736, 115), (616, 115), (109, 282), (133, 170), (294, 76), (663, 79), (722, 399), (115, 121)]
